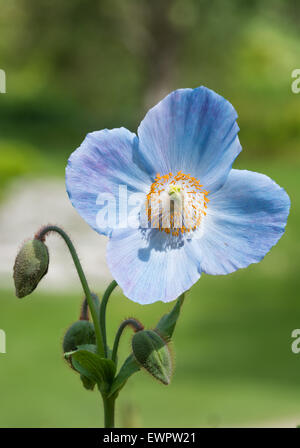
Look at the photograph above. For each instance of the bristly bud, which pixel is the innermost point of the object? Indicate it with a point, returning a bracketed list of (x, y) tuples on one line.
[(80, 332), (153, 354), (30, 267)]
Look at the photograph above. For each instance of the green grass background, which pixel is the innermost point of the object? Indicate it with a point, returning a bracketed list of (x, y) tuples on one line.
[(232, 349)]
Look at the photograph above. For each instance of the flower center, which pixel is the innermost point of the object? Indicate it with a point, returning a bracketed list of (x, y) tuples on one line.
[(176, 203)]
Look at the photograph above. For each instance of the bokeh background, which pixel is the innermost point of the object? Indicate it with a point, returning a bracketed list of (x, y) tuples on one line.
[(74, 67)]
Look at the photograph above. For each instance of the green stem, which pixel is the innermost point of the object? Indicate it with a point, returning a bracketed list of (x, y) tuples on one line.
[(41, 236), (109, 412), (135, 324), (103, 304)]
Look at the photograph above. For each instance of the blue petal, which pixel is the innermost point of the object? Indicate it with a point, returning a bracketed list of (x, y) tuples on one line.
[(245, 218), (191, 130), (147, 268), (102, 163)]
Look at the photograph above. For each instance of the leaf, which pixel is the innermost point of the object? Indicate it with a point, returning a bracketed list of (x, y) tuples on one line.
[(167, 323), (129, 367), (91, 365), (89, 347), (87, 383)]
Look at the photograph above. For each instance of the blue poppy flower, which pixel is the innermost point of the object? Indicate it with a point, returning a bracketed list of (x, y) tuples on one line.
[(218, 219)]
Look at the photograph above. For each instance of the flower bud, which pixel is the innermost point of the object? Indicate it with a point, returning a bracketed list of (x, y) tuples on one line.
[(153, 354), (30, 267), (80, 332)]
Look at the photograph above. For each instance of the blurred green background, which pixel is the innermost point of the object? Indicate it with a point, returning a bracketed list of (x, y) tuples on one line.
[(74, 67)]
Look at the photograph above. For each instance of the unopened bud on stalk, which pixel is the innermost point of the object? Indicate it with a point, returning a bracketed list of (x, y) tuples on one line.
[(153, 354), (80, 332), (30, 267)]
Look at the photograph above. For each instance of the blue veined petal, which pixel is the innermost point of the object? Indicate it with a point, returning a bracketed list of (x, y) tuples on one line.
[(193, 131), (245, 218), (147, 268), (102, 163)]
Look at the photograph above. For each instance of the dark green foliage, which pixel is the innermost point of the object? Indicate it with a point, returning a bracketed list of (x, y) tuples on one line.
[(93, 367)]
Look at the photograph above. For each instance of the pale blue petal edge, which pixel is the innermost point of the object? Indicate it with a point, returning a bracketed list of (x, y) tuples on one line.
[(245, 219), (146, 270), (102, 163), (191, 130)]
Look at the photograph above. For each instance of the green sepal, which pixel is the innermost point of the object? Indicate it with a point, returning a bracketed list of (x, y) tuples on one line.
[(129, 367), (167, 323), (152, 353), (92, 366)]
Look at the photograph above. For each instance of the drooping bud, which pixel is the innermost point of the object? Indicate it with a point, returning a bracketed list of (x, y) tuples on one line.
[(153, 354), (80, 332), (30, 267)]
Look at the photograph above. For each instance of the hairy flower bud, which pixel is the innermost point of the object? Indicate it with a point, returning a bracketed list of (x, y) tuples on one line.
[(30, 267), (153, 354), (80, 332)]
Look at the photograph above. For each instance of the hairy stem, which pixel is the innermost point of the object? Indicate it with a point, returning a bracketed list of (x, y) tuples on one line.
[(135, 324), (41, 236), (103, 305), (109, 412)]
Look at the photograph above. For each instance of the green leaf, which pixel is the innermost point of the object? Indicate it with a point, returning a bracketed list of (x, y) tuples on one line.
[(87, 383), (91, 365), (167, 323), (89, 347), (129, 367)]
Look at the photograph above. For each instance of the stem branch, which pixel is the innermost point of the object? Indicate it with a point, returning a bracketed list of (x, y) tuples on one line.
[(41, 236), (135, 324), (103, 304)]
